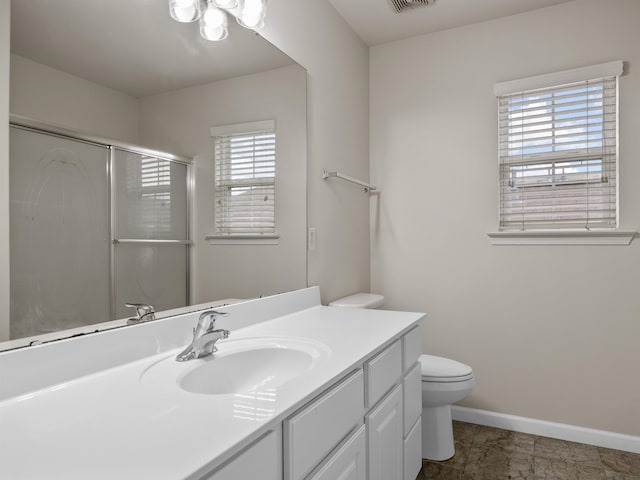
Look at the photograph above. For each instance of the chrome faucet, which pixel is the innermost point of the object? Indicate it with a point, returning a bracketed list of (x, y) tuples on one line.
[(144, 313), (204, 337)]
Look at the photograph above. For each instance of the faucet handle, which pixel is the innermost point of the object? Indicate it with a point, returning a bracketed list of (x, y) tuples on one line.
[(207, 321), (142, 310)]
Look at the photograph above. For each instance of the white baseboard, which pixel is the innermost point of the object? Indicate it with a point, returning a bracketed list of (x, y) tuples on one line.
[(572, 433)]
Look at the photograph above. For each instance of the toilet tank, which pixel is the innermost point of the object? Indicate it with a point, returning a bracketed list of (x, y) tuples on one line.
[(359, 300)]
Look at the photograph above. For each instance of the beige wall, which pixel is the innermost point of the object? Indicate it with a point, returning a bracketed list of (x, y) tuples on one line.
[(61, 99), (180, 121), (313, 34), (552, 332), (4, 168)]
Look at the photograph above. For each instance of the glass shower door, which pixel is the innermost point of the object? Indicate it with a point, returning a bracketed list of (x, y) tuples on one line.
[(60, 240), (151, 233)]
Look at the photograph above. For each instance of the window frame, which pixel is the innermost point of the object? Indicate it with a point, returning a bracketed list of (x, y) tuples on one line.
[(255, 129), (564, 234)]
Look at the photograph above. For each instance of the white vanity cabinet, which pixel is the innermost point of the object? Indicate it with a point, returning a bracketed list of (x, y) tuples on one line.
[(383, 372), (262, 459), (412, 389), (364, 427), (384, 432), (318, 428), (413, 451), (349, 462)]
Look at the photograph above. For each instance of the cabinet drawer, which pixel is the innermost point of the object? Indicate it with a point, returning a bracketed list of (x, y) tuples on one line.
[(349, 462), (411, 347), (383, 372), (312, 433), (412, 389), (260, 460), (413, 452)]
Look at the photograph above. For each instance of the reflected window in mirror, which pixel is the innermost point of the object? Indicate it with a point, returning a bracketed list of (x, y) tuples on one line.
[(149, 183), (245, 179)]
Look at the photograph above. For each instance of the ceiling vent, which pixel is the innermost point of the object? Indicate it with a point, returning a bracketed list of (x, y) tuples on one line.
[(400, 5)]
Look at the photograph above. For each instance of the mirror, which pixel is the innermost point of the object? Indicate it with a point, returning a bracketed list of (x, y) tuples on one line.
[(124, 70)]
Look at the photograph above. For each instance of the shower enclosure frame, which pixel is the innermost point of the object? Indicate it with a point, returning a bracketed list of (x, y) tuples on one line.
[(36, 126)]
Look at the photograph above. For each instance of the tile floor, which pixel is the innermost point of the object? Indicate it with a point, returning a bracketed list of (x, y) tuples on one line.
[(485, 453)]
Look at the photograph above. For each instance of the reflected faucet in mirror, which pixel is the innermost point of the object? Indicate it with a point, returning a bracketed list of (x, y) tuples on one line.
[(204, 337), (144, 313)]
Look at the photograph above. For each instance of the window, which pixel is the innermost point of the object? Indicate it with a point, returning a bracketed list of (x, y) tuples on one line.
[(149, 185), (558, 150), (245, 179)]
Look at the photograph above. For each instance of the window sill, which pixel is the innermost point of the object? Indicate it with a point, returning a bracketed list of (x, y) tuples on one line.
[(243, 239), (575, 237)]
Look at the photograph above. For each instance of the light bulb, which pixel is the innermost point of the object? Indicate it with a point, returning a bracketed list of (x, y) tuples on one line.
[(228, 4), (213, 24), (250, 20), (252, 7), (214, 17), (185, 11), (185, 14), (251, 13), (214, 34)]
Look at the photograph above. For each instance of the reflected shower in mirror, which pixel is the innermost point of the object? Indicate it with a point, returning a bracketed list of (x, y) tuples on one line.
[(159, 85)]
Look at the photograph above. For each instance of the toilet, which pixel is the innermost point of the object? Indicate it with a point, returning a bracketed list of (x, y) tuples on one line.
[(444, 382)]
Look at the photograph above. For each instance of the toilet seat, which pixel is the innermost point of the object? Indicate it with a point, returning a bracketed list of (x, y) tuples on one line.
[(440, 369)]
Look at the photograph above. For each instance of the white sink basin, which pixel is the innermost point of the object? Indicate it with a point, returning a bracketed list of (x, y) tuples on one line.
[(241, 366), (247, 371)]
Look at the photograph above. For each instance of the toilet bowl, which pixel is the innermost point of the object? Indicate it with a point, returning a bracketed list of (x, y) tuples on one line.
[(444, 382)]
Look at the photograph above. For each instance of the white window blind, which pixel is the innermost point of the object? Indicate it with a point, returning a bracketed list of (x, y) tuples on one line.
[(149, 182), (245, 169), (558, 156)]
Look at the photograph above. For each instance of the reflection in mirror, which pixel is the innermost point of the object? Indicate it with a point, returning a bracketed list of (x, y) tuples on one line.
[(155, 83)]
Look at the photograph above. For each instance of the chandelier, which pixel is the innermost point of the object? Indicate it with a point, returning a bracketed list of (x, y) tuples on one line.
[(212, 15)]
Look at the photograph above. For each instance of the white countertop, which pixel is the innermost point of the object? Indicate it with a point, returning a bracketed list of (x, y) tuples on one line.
[(113, 424)]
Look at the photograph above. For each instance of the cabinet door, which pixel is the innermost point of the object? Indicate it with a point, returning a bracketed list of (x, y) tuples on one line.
[(412, 391), (262, 460), (384, 434), (413, 452), (349, 462)]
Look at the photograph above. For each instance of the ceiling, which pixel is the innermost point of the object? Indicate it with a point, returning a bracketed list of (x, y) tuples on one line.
[(376, 22), (133, 46)]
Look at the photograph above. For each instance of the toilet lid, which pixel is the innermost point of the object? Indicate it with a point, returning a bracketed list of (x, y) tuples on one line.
[(444, 368)]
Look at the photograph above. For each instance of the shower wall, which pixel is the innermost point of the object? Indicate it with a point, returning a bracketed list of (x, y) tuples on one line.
[(92, 227), (59, 229), (151, 227)]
